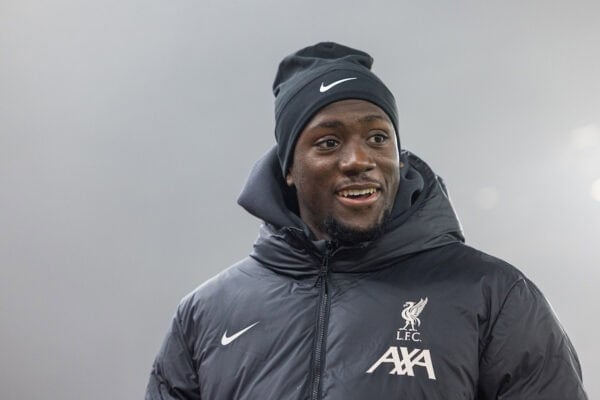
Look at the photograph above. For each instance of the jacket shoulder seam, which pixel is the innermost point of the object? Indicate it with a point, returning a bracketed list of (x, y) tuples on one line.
[(500, 310)]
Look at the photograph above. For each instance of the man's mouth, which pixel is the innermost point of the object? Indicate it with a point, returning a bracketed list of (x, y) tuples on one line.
[(357, 193), (359, 196)]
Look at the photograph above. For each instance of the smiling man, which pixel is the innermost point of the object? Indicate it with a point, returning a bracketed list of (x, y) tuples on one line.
[(360, 285), (346, 171)]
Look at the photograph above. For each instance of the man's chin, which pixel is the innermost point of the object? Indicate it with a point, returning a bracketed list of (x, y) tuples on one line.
[(346, 234)]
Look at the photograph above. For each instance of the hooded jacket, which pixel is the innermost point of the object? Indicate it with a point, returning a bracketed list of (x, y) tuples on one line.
[(415, 314)]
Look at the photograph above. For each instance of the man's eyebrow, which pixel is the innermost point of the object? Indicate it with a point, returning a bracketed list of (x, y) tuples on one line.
[(334, 123), (373, 117)]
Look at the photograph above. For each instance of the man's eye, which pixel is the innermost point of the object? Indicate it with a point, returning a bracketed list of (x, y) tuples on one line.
[(378, 138), (327, 144)]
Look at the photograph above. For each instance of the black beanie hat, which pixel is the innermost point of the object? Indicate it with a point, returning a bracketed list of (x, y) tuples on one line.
[(316, 76)]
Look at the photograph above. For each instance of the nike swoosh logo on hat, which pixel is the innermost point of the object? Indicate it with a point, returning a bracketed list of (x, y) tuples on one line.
[(225, 340), (325, 88)]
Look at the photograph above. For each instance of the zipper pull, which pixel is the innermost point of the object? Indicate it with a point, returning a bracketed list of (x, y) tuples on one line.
[(329, 249)]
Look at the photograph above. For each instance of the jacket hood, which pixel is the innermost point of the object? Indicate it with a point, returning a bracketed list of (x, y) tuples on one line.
[(422, 218)]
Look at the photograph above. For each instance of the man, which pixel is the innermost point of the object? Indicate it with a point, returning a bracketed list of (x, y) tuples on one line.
[(359, 285)]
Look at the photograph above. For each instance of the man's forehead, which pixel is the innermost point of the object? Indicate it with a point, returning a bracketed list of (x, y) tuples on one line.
[(346, 111)]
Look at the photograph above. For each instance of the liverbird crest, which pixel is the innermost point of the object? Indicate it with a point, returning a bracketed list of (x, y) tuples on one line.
[(411, 312)]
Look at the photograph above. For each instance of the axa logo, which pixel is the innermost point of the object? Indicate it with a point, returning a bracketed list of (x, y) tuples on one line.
[(411, 313), (401, 361)]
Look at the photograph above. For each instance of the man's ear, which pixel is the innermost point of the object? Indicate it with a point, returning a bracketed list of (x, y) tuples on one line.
[(288, 179)]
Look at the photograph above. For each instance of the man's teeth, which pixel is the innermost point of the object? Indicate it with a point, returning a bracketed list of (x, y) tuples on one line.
[(356, 192)]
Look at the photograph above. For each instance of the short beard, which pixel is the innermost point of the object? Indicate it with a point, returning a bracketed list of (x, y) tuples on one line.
[(349, 236)]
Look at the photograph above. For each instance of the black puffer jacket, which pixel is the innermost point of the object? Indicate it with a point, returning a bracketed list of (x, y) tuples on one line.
[(414, 315)]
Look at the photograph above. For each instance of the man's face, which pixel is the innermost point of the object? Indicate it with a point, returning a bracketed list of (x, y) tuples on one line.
[(346, 168)]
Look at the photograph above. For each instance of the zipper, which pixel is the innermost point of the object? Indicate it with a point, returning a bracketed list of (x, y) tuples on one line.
[(319, 349)]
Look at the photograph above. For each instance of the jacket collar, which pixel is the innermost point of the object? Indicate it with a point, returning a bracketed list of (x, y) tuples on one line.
[(422, 218)]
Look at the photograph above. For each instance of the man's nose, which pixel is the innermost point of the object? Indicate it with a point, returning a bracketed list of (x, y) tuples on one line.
[(356, 158)]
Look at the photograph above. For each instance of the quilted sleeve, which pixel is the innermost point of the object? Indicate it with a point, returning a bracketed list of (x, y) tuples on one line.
[(173, 375), (528, 354)]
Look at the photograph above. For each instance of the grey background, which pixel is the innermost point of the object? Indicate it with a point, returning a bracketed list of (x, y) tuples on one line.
[(127, 129)]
